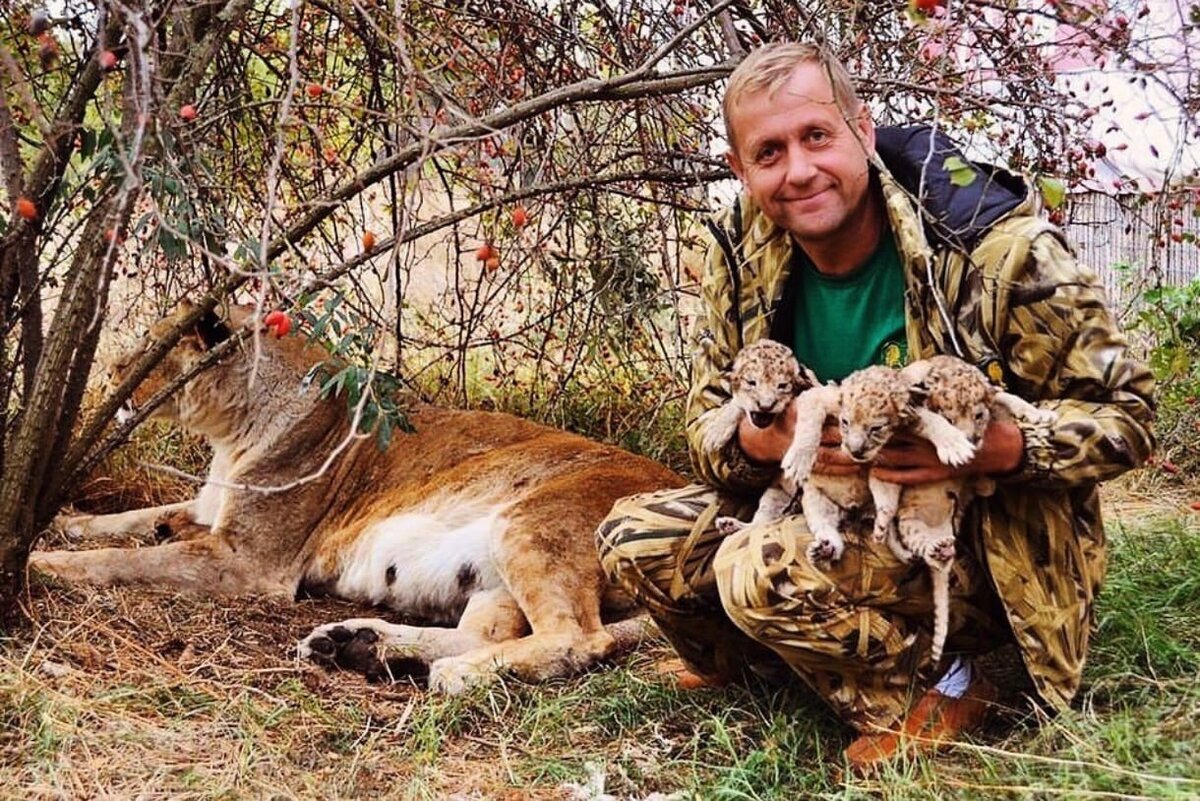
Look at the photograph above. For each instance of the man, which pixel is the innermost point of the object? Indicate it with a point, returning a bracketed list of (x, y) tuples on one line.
[(854, 246)]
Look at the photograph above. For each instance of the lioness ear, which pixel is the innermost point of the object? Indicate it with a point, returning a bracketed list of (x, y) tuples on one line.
[(211, 329)]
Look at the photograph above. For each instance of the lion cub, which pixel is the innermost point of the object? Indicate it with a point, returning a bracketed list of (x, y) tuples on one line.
[(870, 405), (764, 380), (921, 522)]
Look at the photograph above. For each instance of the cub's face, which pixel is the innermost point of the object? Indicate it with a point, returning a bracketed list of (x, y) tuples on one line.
[(765, 378), (874, 403), (963, 396)]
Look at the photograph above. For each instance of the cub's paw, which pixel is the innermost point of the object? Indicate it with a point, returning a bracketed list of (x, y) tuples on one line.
[(713, 440), (882, 530), (942, 551), (798, 463), (357, 646), (955, 451), (1017, 408), (729, 525), (938, 552), (721, 429), (824, 550)]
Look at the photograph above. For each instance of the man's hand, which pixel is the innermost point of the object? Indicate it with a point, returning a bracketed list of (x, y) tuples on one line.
[(911, 460), (768, 445), (905, 459)]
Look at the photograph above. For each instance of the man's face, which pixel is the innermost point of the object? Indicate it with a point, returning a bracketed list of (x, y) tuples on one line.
[(799, 159)]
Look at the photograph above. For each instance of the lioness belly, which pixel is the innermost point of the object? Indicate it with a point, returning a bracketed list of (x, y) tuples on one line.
[(424, 563)]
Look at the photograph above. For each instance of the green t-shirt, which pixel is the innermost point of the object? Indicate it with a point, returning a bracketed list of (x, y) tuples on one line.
[(850, 322)]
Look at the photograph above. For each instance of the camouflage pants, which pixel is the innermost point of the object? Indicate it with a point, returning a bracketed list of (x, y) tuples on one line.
[(858, 633)]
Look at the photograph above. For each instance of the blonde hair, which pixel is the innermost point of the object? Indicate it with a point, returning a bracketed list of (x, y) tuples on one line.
[(769, 67)]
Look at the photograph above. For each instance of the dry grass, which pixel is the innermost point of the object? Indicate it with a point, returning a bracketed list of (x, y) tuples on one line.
[(124, 481), (137, 694), (1147, 494)]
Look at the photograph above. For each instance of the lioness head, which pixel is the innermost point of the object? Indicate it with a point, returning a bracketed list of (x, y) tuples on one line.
[(280, 361)]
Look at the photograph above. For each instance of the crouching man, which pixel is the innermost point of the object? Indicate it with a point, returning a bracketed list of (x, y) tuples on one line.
[(852, 245)]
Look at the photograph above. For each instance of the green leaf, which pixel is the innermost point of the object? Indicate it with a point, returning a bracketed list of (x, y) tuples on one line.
[(370, 415), (961, 173), (87, 143), (383, 435), (173, 247), (1053, 190)]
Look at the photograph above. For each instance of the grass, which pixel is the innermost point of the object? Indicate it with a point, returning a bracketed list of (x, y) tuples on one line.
[(124, 694), (121, 693)]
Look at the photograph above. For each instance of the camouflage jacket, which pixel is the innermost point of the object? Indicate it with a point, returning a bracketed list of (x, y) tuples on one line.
[(988, 280)]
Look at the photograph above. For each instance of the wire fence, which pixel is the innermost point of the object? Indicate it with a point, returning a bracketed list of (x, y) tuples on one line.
[(1130, 245)]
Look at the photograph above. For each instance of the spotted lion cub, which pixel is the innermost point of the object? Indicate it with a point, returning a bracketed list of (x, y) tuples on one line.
[(764, 380), (921, 522), (870, 405), (928, 516)]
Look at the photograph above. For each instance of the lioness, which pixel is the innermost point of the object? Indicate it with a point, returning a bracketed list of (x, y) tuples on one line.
[(480, 518)]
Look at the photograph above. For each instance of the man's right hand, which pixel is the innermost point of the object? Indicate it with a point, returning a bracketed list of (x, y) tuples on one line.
[(768, 445)]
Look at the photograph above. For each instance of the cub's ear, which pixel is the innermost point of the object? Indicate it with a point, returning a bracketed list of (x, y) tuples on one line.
[(918, 393), (211, 330), (806, 379)]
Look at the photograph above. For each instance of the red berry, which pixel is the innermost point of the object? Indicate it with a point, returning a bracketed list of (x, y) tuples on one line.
[(315, 89), (188, 113), (1196, 505), (27, 208), (926, 6), (368, 241), (278, 322), (492, 264), (108, 60), (519, 217), (485, 252)]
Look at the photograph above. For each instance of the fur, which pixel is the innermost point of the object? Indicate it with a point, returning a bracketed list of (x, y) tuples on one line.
[(478, 517)]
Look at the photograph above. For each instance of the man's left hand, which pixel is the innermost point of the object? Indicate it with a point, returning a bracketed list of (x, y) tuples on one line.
[(911, 460)]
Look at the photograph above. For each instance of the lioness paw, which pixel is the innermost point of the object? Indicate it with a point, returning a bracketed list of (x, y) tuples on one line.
[(356, 645), (73, 526), (456, 675)]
